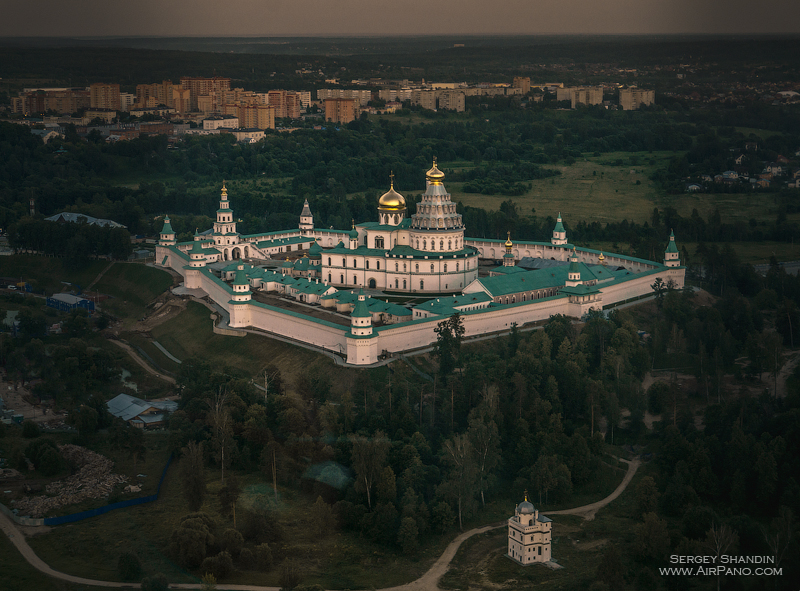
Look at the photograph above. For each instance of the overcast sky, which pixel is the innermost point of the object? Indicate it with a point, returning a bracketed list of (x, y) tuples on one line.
[(393, 17)]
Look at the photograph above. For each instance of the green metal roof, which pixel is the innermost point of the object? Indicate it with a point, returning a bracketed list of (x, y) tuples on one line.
[(197, 248), (672, 246), (241, 278), (559, 226), (360, 310), (167, 229)]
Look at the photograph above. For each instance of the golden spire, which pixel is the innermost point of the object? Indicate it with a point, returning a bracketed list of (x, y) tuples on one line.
[(352, 221), (224, 189), (526, 494), (391, 179)]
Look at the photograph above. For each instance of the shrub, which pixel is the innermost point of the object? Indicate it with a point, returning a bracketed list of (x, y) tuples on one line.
[(232, 542), (263, 557), (129, 566), (220, 565), (290, 574), (30, 430), (246, 558), (158, 582)]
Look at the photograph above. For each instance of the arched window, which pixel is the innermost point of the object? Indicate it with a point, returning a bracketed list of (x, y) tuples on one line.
[(441, 244), (431, 267), (396, 284), (367, 264), (355, 280), (449, 245), (404, 283), (379, 265), (456, 267), (424, 245), (329, 277), (341, 279), (404, 267), (445, 267), (417, 268), (417, 243), (396, 266), (355, 263), (421, 284), (344, 262)]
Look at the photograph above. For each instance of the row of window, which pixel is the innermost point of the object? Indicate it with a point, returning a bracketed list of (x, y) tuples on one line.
[(545, 293), (397, 266)]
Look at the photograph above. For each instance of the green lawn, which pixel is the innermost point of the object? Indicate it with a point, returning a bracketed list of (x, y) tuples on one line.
[(590, 190), (48, 273), (132, 287), (749, 252), (189, 335)]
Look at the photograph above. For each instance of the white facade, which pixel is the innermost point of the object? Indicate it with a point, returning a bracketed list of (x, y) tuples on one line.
[(529, 535)]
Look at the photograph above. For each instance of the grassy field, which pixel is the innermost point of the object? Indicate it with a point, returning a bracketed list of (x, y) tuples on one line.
[(132, 287), (577, 545), (18, 575), (189, 335), (755, 253), (49, 273), (598, 189)]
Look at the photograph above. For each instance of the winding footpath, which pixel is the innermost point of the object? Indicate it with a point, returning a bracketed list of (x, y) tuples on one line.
[(427, 582)]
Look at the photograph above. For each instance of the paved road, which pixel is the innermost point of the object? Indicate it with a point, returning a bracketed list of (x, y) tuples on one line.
[(427, 582)]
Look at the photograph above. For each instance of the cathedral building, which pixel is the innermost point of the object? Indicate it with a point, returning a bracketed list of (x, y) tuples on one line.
[(424, 253)]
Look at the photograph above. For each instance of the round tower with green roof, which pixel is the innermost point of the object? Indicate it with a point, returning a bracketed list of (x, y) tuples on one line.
[(559, 233), (574, 272), (672, 257), (241, 286), (167, 237), (197, 258)]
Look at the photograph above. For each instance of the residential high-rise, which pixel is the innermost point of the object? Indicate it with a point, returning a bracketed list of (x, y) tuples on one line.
[(631, 98), (104, 96), (199, 87), (340, 110), (523, 83)]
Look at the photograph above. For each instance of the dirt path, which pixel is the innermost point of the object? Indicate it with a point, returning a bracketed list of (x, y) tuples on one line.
[(427, 582), (141, 361)]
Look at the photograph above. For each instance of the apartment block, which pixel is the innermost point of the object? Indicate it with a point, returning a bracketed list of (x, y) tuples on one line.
[(362, 96), (522, 83), (581, 95), (631, 98), (199, 87), (340, 110), (104, 96), (33, 101)]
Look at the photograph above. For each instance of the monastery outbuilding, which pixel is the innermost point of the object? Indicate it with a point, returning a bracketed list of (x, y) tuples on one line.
[(529, 534)]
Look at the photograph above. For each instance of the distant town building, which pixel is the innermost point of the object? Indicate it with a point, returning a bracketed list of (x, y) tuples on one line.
[(340, 110), (580, 95), (33, 101), (248, 135), (522, 83), (204, 87), (361, 96), (104, 96), (106, 115), (229, 122), (631, 99)]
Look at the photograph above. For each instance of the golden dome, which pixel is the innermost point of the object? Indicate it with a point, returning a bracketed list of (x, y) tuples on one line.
[(434, 175), (392, 199), (508, 242), (224, 188)]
